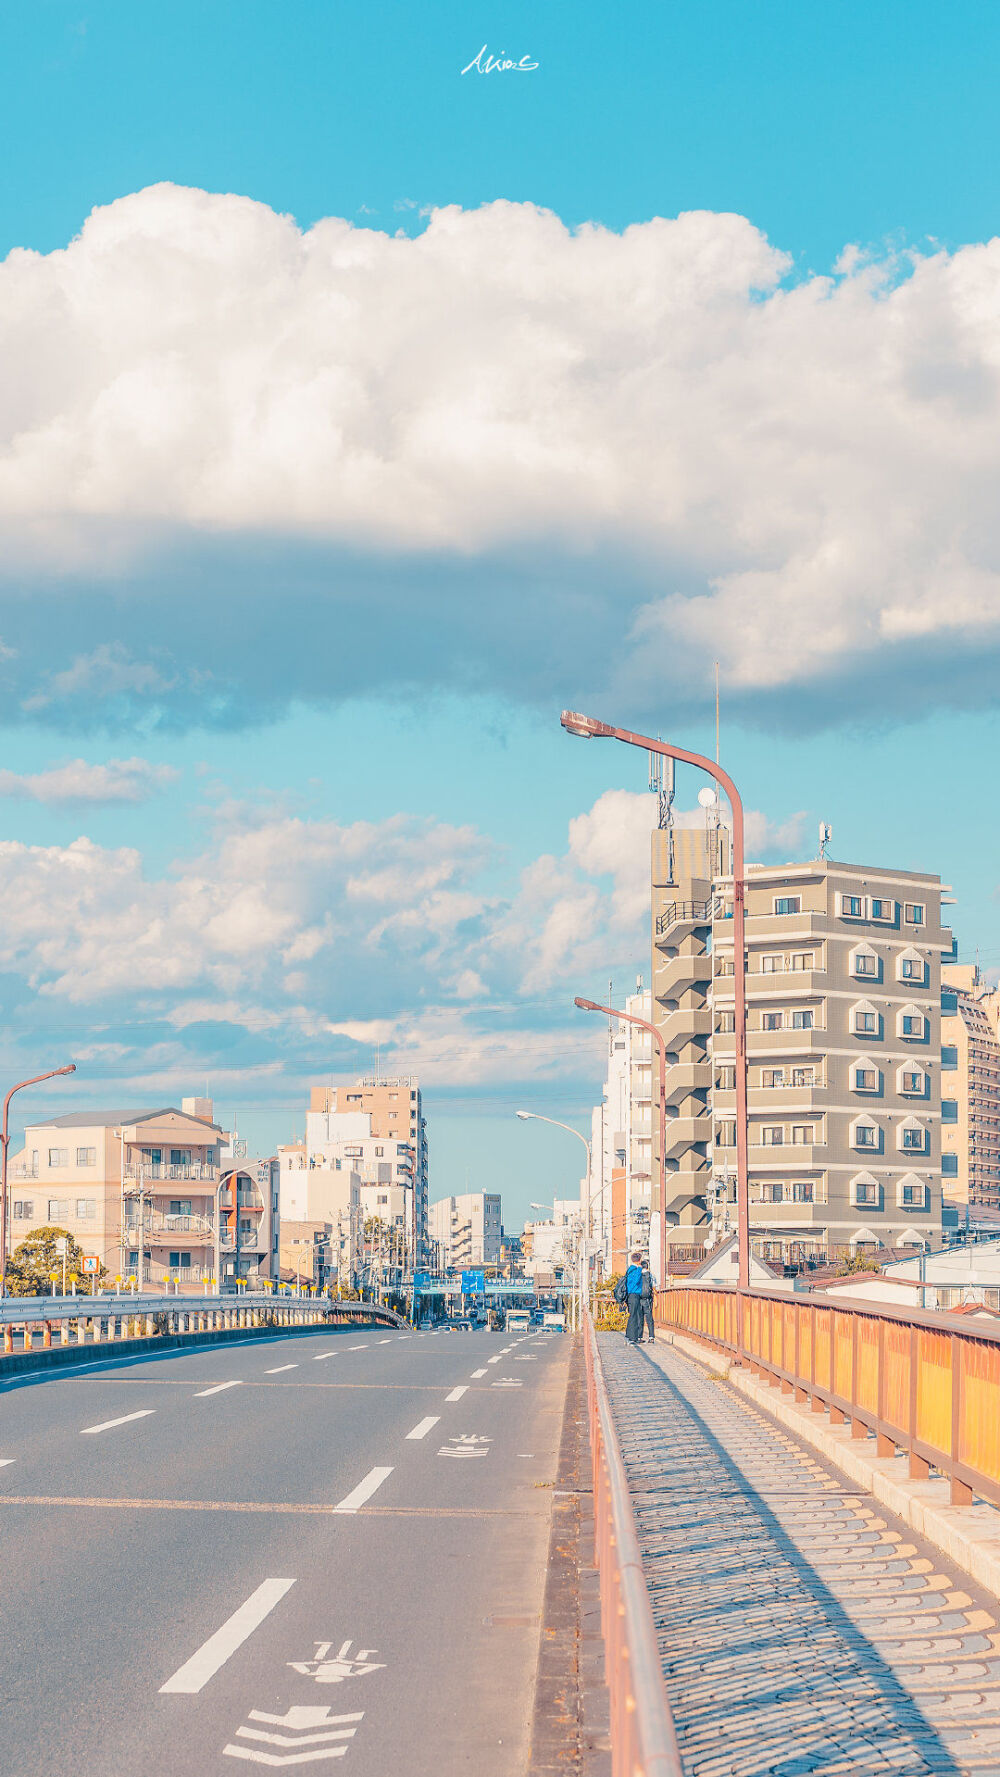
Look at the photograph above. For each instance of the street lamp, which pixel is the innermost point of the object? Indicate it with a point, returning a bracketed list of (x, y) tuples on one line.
[(536, 1117), (52, 1074), (644, 1023), (589, 728)]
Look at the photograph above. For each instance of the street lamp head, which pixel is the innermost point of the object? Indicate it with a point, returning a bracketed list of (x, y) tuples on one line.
[(523, 1115), (588, 1006), (71, 1069), (588, 727)]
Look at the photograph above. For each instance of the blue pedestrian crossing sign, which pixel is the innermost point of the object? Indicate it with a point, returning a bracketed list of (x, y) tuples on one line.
[(473, 1283)]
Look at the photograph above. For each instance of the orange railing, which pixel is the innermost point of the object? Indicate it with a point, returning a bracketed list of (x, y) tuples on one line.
[(926, 1384), (643, 1741)]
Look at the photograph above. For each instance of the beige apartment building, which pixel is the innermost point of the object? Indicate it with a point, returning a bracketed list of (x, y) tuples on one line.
[(136, 1188), (844, 1055), (320, 1206), (970, 1104), (464, 1231), (395, 1107)]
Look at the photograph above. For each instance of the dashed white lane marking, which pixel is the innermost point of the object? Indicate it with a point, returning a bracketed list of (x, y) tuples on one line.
[(319, 1355), (357, 1348), (421, 1430), (195, 1673), (457, 1393), (476, 1374), (217, 1389), (5, 1461), (385, 1341), (494, 1360), (279, 1368), (126, 1419), (364, 1490)]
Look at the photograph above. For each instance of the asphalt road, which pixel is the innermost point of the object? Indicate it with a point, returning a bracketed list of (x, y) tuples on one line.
[(336, 1562)]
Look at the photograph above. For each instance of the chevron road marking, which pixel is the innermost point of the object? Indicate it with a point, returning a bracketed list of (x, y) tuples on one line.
[(310, 1732)]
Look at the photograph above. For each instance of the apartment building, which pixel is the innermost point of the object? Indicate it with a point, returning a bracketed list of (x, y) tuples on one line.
[(622, 1144), (844, 1055), (320, 1208), (137, 1188), (970, 1104), (395, 1110), (248, 1242), (464, 1232)]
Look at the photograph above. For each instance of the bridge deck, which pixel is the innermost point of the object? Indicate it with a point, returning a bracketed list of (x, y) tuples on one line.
[(802, 1628)]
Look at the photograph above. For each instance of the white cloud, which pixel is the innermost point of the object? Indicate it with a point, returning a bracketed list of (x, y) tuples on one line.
[(120, 780), (790, 478)]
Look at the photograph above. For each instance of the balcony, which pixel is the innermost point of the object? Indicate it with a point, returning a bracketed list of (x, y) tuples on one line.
[(155, 1172), (166, 1227), (22, 1170), (683, 913)]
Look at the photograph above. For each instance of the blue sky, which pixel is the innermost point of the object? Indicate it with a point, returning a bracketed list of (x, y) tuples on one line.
[(749, 447)]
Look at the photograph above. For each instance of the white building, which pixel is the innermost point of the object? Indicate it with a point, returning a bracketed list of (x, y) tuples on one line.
[(464, 1231), (551, 1245), (622, 1140)]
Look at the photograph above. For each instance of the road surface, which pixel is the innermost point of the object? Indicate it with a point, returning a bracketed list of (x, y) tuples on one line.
[(322, 1551)]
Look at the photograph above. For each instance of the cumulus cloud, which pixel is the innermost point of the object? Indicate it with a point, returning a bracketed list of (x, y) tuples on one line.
[(655, 447), (120, 780)]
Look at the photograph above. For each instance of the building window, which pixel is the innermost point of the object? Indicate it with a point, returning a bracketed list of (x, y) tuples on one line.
[(949, 1110), (85, 1208), (851, 906), (725, 1135), (949, 1057), (884, 910), (911, 1024), (180, 1261), (865, 1022), (866, 1079), (772, 1135), (802, 1135), (802, 1020), (865, 963), (771, 965), (788, 903), (803, 1192), (24, 1209), (913, 1081), (949, 1165), (726, 1081), (913, 1141), (726, 1023), (865, 1136), (771, 1020), (912, 1195), (864, 1193), (911, 968), (803, 1076), (86, 1156), (914, 912), (772, 1076), (803, 959), (772, 1193), (58, 1209), (58, 1157)]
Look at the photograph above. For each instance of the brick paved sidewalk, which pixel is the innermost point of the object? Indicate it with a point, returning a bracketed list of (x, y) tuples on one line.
[(802, 1629)]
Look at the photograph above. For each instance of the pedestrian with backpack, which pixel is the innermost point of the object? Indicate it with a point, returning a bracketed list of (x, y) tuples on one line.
[(633, 1296)]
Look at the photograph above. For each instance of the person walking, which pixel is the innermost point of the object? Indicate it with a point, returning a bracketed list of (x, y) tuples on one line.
[(647, 1333), (633, 1296)]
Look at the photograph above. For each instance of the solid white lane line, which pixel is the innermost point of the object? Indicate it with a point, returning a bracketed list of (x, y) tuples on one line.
[(421, 1430), (144, 1413), (476, 1374), (217, 1389), (457, 1393), (364, 1490), (280, 1368), (195, 1673), (357, 1348)]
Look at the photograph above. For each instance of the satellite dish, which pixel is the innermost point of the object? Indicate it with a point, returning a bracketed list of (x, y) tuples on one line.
[(707, 797)]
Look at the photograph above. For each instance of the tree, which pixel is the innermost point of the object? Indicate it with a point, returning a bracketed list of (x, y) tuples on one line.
[(30, 1266)]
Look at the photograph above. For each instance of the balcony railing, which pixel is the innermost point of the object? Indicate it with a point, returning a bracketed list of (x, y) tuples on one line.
[(21, 1169), (155, 1171), (679, 912)]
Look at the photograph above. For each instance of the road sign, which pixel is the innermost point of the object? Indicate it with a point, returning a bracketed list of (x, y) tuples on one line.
[(421, 1280), (473, 1283), (90, 1262), (62, 1244)]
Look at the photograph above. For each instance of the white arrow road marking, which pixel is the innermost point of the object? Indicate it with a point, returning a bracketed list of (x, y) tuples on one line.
[(126, 1419), (298, 1719), (195, 1673), (457, 1393), (279, 1368), (421, 1430), (363, 1490), (466, 1446), (476, 1374), (219, 1386)]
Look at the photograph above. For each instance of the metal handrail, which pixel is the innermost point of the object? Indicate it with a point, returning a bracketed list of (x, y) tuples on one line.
[(17, 1310), (675, 911), (643, 1736)]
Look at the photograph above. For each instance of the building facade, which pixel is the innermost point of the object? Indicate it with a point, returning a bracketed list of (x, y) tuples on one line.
[(970, 1105), (844, 1057), (465, 1232), (395, 1110)]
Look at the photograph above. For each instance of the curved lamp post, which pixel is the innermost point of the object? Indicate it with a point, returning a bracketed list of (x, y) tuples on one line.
[(589, 728), (536, 1117), (52, 1074), (631, 1018)]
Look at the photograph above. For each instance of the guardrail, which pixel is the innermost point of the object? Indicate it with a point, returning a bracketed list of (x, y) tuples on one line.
[(927, 1384), (144, 1316), (643, 1739)]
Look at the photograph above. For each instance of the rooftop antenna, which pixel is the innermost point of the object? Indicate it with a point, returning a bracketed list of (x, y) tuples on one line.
[(661, 782), (825, 836)]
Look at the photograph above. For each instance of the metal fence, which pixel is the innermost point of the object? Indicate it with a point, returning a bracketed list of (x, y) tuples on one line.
[(112, 1318), (926, 1384), (643, 1740)]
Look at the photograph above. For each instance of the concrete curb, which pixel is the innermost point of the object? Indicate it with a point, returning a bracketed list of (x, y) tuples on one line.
[(968, 1535), (59, 1356)]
